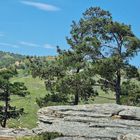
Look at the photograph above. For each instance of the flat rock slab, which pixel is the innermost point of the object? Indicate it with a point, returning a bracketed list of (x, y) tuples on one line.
[(11, 133), (90, 122), (84, 122)]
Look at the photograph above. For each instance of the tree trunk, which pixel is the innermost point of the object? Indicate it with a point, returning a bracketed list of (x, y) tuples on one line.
[(3, 124), (76, 101), (118, 87), (118, 75)]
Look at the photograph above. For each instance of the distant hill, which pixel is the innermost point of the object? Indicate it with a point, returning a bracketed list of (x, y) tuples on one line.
[(7, 59)]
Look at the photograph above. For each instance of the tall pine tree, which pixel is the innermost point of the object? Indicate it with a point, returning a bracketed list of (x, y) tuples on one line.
[(7, 89), (99, 47), (109, 45)]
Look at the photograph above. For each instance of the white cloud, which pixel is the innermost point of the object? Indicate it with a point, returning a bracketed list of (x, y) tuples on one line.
[(41, 6), (48, 46), (28, 44), (9, 45)]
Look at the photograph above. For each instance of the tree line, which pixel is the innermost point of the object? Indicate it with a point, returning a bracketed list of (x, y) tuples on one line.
[(7, 59)]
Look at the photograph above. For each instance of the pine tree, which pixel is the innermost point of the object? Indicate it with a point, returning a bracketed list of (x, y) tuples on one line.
[(99, 47), (7, 89), (109, 45), (66, 76), (77, 80)]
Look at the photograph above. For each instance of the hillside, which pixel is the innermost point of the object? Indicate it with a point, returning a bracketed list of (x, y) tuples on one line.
[(37, 89), (7, 58)]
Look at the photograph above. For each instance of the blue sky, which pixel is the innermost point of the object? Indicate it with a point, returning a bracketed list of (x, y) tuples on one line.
[(35, 27)]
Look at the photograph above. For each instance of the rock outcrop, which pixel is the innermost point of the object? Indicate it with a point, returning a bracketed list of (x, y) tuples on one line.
[(11, 133), (91, 122), (15, 132), (84, 122)]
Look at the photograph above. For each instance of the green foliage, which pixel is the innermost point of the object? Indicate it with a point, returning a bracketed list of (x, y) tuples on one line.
[(38, 65), (37, 89), (130, 93), (100, 47), (51, 99), (108, 45), (7, 59), (65, 76), (7, 89)]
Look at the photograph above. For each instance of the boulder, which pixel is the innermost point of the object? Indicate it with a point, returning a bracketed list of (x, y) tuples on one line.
[(90, 122), (84, 122)]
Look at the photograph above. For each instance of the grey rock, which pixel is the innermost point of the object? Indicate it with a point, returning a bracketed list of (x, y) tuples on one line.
[(130, 113), (15, 132), (85, 122), (129, 137), (89, 122)]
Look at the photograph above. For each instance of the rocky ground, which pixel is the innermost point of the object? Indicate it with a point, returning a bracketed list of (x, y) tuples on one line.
[(86, 122), (10, 133), (91, 122)]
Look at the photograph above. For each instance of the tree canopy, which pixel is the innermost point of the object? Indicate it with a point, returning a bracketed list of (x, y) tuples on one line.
[(99, 55), (109, 45)]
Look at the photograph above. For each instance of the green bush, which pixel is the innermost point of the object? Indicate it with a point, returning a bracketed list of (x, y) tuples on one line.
[(51, 99), (130, 94)]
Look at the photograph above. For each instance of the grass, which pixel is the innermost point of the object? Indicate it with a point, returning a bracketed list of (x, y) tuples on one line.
[(104, 98), (37, 89), (101, 98)]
